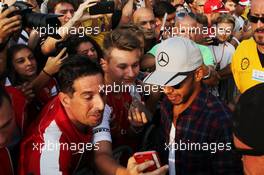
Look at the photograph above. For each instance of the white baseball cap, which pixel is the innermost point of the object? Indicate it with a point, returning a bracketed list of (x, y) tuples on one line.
[(176, 57)]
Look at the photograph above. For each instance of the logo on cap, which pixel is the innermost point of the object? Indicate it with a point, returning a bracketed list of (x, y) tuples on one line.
[(163, 59)]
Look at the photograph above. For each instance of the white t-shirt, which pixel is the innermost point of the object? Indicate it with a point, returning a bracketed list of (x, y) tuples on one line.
[(223, 54), (7, 82), (172, 168)]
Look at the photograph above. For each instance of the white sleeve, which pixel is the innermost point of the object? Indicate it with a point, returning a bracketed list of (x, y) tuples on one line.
[(102, 131)]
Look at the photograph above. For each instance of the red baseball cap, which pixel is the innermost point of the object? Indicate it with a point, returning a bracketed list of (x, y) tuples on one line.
[(244, 2), (214, 6)]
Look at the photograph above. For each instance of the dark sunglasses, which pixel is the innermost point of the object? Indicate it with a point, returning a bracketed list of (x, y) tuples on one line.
[(255, 19), (188, 74)]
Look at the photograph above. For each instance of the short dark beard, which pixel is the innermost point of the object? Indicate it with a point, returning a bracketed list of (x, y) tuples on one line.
[(259, 43), (191, 90)]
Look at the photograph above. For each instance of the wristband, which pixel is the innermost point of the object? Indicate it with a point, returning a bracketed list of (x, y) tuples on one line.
[(46, 73)]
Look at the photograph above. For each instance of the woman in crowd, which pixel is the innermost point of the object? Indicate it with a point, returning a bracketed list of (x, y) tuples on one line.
[(84, 45), (38, 86)]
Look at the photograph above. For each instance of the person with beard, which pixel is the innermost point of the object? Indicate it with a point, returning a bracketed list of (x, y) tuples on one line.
[(248, 60), (53, 144), (145, 19), (190, 115)]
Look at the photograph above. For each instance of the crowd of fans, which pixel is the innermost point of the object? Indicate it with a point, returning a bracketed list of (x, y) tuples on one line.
[(181, 77)]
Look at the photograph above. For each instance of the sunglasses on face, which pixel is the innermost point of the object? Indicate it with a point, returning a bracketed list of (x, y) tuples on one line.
[(255, 19)]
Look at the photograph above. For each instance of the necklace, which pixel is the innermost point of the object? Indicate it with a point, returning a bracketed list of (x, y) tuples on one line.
[(222, 55)]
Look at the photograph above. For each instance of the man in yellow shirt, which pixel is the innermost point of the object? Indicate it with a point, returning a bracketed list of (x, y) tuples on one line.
[(248, 60)]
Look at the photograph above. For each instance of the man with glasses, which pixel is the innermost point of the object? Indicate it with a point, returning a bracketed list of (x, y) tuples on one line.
[(248, 60), (190, 117)]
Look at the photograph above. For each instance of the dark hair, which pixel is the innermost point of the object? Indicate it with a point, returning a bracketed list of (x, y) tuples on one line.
[(201, 19), (4, 95), (74, 67), (13, 76), (234, 1), (74, 41), (189, 1), (120, 39), (162, 7), (53, 3)]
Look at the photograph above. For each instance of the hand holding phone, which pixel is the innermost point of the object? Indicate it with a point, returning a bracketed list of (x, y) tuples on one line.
[(136, 168), (145, 156)]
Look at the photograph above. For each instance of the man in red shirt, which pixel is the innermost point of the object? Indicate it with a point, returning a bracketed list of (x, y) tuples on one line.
[(64, 130)]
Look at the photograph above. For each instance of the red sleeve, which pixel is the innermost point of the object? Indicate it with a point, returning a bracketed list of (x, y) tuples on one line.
[(19, 106)]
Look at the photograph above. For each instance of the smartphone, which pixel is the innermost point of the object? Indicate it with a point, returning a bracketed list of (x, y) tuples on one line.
[(142, 157), (102, 8)]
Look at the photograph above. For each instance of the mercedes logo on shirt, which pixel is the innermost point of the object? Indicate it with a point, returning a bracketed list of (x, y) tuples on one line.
[(163, 59)]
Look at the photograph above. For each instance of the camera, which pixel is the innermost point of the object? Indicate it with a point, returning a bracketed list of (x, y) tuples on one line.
[(32, 19), (102, 8)]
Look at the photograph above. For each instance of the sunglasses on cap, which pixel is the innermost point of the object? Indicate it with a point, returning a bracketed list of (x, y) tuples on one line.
[(182, 14), (179, 85), (255, 19)]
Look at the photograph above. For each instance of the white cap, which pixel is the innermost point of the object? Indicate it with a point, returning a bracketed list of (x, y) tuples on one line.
[(176, 57)]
